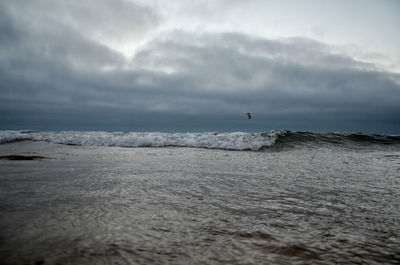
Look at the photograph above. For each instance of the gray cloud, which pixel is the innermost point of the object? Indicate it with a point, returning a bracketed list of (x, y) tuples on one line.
[(118, 20), (270, 75), (55, 73)]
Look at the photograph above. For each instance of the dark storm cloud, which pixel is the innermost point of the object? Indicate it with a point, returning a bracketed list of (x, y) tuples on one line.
[(57, 70), (292, 75), (49, 53)]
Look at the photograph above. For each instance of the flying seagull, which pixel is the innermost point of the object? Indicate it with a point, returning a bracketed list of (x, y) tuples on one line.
[(249, 115)]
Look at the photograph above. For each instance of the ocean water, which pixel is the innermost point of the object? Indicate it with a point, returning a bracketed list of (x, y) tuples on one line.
[(278, 197)]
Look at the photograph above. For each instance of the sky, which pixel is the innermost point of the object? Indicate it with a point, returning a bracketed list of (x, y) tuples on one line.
[(192, 66)]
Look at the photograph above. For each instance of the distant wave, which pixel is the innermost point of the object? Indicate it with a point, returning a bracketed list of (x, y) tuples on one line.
[(228, 141), (290, 139)]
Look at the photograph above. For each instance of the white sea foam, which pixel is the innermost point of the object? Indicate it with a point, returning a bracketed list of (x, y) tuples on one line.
[(231, 141)]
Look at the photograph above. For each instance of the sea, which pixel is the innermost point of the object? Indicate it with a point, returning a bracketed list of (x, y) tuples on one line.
[(276, 197)]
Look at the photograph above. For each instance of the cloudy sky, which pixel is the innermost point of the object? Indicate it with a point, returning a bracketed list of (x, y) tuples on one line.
[(153, 65)]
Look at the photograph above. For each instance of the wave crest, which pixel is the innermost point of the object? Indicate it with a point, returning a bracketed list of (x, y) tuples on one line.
[(228, 141)]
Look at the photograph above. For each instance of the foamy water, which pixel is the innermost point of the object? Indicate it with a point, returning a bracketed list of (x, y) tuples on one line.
[(230, 141)]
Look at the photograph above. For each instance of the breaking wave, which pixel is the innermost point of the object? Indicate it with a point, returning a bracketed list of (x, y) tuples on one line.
[(231, 141), (228, 141)]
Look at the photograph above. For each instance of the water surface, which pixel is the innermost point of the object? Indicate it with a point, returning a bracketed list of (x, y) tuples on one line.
[(296, 204)]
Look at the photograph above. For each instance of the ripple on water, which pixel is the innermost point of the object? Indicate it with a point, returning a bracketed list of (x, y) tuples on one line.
[(190, 206)]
